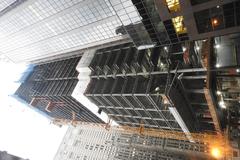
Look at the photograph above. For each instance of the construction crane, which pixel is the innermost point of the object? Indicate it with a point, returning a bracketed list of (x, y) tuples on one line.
[(218, 144)]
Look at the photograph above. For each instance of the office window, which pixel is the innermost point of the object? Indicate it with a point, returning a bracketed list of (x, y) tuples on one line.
[(70, 155), (179, 25), (44, 27), (80, 131), (85, 158), (173, 5), (219, 17), (76, 143), (91, 148)]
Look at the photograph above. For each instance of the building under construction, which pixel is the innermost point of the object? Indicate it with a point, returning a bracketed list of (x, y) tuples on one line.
[(156, 87), (152, 86), (169, 64), (49, 89)]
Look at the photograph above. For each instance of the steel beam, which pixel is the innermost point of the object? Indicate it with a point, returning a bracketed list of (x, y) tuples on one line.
[(189, 70)]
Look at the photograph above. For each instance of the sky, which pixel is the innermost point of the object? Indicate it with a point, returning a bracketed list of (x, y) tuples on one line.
[(24, 132)]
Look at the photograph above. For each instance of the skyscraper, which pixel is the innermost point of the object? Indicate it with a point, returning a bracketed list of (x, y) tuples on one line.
[(135, 87), (84, 142), (58, 27), (37, 30), (49, 88), (169, 64)]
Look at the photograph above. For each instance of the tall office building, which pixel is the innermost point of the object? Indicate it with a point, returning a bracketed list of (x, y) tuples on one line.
[(137, 87), (6, 156), (49, 88), (85, 143), (171, 29), (170, 64), (143, 87), (37, 30), (189, 37)]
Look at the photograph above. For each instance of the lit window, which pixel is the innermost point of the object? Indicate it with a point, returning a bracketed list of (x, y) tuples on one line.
[(173, 5), (179, 25)]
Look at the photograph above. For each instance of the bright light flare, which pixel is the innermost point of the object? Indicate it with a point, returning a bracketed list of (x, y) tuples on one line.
[(215, 21), (222, 104), (217, 65), (216, 152), (217, 46), (219, 92), (184, 49)]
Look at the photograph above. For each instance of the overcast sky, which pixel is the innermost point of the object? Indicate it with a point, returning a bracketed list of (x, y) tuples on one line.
[(24, 132)]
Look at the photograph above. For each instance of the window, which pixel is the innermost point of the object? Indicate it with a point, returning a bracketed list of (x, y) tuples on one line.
[(80, 131), (76, 143), (173, 5), (91, 148), (70, 155), (218, 17), (102, 146), (85, 158), (179, 25), (97, 146)]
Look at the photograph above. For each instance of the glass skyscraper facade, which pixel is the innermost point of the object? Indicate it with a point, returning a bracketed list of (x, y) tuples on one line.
[(39, 29)]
